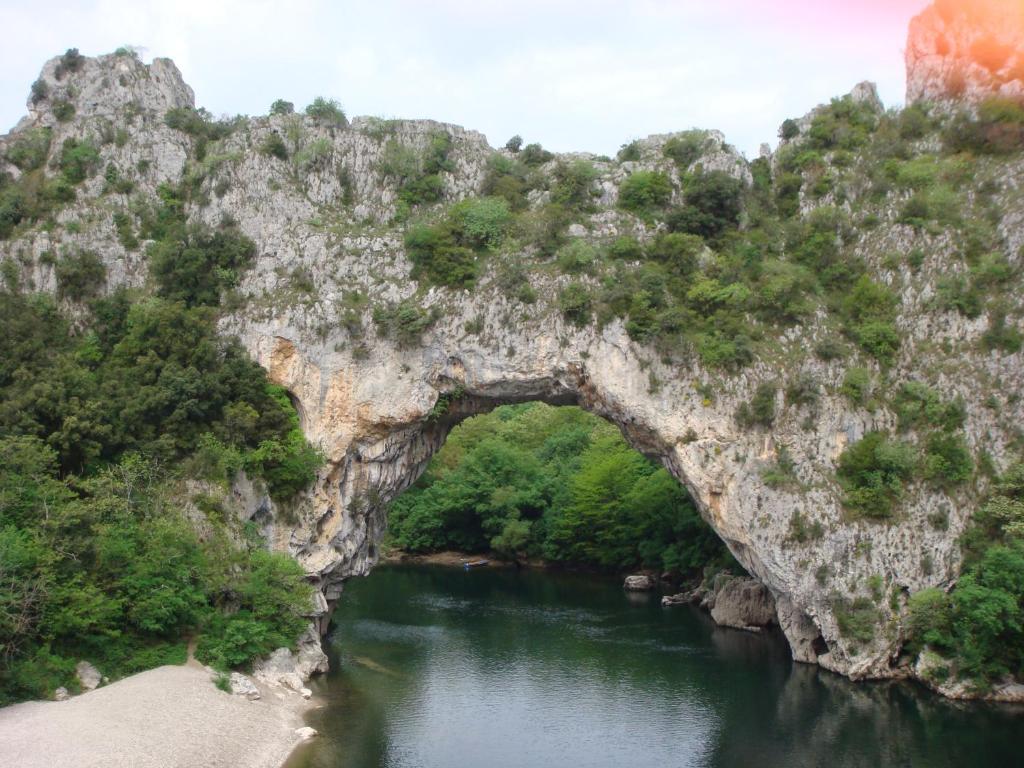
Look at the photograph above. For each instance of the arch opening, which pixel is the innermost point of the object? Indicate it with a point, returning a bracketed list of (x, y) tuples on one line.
[(377, 470)]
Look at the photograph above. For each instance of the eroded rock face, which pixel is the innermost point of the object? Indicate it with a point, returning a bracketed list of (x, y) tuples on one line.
[(966, 49), (379, 409), (743, 604)]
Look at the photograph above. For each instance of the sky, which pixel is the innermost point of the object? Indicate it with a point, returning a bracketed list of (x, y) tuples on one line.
[(574, 75)]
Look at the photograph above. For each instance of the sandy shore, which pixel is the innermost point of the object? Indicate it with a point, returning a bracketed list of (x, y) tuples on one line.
[(169, 717)]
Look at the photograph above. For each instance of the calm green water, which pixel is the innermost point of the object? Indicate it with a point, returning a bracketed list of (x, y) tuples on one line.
[(440, 668)]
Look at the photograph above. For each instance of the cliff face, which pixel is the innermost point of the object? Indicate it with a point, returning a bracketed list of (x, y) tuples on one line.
[(323, 223), (966, 49)]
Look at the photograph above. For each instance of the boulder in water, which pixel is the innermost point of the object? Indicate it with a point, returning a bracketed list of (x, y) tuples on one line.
[(639, 582)]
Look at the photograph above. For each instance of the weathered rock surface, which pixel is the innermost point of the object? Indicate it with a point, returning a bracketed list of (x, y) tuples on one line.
[(88, 676), (243, 686), (638, 582), (282, 669), (743, 604), (966, 49), (61, 694), (369, 403)]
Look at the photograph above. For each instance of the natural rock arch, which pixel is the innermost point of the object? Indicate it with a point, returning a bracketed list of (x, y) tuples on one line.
[(378, 442), (367, 401)]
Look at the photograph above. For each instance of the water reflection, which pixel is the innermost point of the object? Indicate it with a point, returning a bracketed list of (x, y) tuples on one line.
[(437, 667)]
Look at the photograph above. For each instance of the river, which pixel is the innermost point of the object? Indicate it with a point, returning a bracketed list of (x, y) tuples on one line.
[(435, 667)]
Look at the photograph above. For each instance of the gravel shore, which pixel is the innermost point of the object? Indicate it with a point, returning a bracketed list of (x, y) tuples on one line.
[(169, 717)]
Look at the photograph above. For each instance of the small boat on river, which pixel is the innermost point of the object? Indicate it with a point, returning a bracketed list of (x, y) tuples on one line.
[(475, 564)]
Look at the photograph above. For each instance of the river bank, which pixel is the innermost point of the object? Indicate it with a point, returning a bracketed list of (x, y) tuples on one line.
[(168, 717)]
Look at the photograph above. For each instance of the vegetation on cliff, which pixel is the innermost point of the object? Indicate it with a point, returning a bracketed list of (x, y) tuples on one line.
[(106, 423), (978, 627)]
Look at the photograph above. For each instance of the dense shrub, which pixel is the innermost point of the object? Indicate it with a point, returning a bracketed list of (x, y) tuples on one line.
[(30, 149), (644, 192), (685, 149), (273, 146), (868, 312), (514, 144), (481, 222), (760, 410), (534, 155), (856, 386), (418, 174), (711, 205), (80, 275), (629, 152), (872, 472), (998, 128), (327, 111), (196, 265), (576, 303), (577, 257), (105, 565), (977, 626), (71, 61), (78, 160), (844, 124), (918, 406), (789, 129), (282, 107), (573, 187), (404, 322)]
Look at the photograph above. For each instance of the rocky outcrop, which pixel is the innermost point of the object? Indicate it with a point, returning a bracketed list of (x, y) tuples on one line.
[(742, 604), (966, 50), (88, 676), (281, 668), (379, 407), (243, 686)]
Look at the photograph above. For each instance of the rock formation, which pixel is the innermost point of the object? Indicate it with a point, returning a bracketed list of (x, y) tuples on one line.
[(379, 408), (966, 49)]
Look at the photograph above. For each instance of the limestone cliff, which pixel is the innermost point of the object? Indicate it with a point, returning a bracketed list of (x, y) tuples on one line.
[(324, 221), (966, 49)]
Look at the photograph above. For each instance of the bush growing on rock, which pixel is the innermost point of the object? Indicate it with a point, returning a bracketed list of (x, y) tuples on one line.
[(644, 192), (977, 626), (30, 149), (71, 61), (711, 205), (872, 472), (273, 146), (576, 304), (405, 322), (282, 107), (80, 275), (760, 410), (327, 111), (685, 148)]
